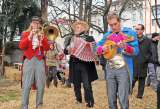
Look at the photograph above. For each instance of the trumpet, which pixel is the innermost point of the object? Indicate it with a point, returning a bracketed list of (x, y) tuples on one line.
[(51, 31)]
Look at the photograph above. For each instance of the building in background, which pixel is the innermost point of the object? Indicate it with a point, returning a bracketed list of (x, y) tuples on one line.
[(149, 16), (146, 14)]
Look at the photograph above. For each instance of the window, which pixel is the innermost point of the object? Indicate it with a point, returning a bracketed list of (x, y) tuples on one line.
[(134, 16), (154, 21), (154, 11), (154, 14)]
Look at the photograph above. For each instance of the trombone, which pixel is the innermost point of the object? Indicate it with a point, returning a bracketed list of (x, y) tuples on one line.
[(51, 31)]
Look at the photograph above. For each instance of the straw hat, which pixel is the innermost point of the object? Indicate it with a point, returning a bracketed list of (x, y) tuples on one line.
[(82, 23)]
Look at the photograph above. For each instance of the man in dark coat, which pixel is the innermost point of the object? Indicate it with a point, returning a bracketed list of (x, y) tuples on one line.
[(153, 63), (158, 74), (141, 60), (81, 71)]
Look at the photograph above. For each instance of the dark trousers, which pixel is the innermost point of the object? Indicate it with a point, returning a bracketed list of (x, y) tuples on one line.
[(88, 94), (141, 85), (158, 95), (52, 75)]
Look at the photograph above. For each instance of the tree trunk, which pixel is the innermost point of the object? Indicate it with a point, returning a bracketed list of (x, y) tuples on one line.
[(123, 7), (156, 11), (13, 32), (3, 52), (74, 9), (81, 10), (44, 10), (89, 12), (85, 10), (105, 23), (2, 71)]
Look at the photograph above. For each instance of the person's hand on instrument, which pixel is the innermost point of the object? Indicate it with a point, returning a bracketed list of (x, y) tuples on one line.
[(121, 45)]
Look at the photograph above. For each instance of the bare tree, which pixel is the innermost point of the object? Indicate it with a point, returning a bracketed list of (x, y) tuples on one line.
[(13, 14), (44, 10), (155, 12), (81, 9), (84, 9), (105, 12)]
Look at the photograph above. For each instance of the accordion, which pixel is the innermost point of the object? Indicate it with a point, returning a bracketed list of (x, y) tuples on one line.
[(83, 50)]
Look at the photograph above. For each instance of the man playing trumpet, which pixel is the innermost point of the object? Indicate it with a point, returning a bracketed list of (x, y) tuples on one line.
[(33, 44)]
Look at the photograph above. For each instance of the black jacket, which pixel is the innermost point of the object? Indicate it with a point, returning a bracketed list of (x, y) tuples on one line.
[(142, 59), (154, 53), (87, 67)]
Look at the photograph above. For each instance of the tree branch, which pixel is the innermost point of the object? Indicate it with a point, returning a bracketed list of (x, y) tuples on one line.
[(154, 14)]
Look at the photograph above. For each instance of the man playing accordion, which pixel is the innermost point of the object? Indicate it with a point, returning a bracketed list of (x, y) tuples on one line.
[(82, 62)]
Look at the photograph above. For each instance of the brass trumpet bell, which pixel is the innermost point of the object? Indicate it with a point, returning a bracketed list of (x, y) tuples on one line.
[(51, 32)]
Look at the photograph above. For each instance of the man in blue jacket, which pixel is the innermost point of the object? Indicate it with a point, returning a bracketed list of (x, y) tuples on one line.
[(119, 69)]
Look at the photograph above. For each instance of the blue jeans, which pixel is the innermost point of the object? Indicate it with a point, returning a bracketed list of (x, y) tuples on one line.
[(118, 87)]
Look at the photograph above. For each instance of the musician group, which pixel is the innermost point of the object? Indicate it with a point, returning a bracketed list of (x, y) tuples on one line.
[(43, 61)]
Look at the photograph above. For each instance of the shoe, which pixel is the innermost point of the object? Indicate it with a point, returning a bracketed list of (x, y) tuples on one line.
[(148, 84), (63, 81), (39, 107), (78, 101), (47, 85), (68, 84), (55, 83), (90, 104), (48, 82), (154, 86), (139, 97)]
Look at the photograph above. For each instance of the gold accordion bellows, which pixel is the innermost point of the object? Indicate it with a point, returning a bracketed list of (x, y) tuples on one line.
[(83, 50)]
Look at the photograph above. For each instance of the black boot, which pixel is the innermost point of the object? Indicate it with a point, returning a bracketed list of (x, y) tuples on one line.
[(55, 82), (90, 104), (48, 81), (63, 81), (78, 101), (68, 84)]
